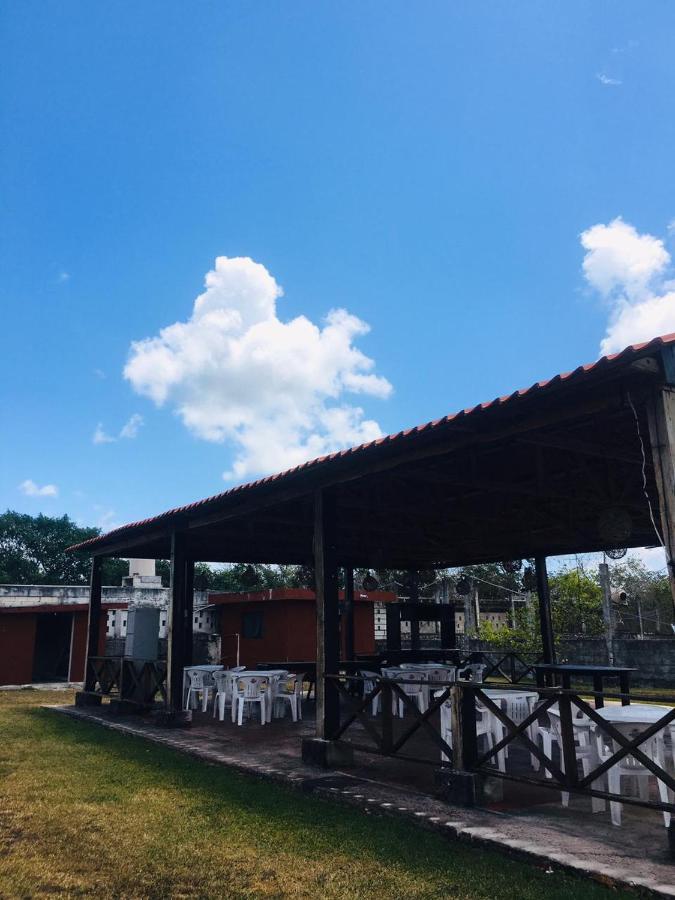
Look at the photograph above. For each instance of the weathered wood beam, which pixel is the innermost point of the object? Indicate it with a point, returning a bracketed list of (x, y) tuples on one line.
[(327, 615), (348, 614), (661, 418), (189, 611), (545, 620), (93, 620), (176, 621)]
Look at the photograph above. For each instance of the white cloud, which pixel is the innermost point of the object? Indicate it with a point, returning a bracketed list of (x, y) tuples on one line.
[(629, 270), (131, 426), (106, 519), (235, 372), (654, 558), (100, 436), (607, 81), (129, 430), (31, 489)]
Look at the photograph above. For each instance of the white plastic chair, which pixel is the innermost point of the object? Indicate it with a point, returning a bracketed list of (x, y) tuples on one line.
[(249, 689), (416, 689), (438, 678), (487, 726), (472, 672), (223, 695), (518, 707), (200, 685), (371, 679), (629, 767), (584, 749), (290, 689)]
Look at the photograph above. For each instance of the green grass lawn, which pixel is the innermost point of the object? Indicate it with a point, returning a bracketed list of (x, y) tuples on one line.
[(85, 812)]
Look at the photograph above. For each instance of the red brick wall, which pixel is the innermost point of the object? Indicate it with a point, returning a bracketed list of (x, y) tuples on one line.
[(17, 645)]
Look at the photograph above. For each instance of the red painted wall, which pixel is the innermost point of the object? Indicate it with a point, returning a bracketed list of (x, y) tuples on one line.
[(17, 639), (289, 625), (78, 651), (17, 643)]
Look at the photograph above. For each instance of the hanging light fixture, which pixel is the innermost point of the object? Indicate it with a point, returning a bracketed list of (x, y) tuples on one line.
[(616, 552)]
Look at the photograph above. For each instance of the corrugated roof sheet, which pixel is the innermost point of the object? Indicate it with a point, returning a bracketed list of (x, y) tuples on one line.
[(574, 376)]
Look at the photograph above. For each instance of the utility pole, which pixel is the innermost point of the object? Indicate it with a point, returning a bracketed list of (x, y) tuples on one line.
[(471, 610), (607, 610)]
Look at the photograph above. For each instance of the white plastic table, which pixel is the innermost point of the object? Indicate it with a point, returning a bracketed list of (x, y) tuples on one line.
[(630, 721), (635, 714), (270, 674)]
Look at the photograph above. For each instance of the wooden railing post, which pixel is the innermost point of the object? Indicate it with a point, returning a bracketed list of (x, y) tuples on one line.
[(461, 785), (568, 751)]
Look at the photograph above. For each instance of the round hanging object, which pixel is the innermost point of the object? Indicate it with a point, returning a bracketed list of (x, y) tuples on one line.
[(370, 583), (616, 553), (463, 586), (511, 566), (615, 525)]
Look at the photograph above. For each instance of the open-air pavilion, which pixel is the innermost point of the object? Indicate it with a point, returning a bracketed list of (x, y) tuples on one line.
[(582, 462)]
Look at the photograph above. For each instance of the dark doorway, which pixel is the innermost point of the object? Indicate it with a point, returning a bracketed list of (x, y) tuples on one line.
[(51, 660)]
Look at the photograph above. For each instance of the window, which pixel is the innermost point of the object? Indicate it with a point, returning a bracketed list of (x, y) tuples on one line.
[(252, 625)]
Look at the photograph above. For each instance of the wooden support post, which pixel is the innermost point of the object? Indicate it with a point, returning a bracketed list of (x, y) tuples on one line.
[(448, 635), (392, 612), (189, 611), (607, 613), (176, 624), (414, 599), (661, 413), (94, 620), (348, 614), (545, 621), (327, 619)]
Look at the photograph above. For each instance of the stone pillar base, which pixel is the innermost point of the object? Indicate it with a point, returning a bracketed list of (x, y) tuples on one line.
[(87, 698), (326, 754), (468, 788)]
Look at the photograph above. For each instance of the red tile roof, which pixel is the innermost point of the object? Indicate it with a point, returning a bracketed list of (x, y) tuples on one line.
[(580, 374)]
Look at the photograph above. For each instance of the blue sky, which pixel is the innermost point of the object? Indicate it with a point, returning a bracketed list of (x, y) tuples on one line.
[(468, 179)]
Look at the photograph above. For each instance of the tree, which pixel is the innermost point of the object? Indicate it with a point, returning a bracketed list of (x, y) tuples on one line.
[(33, 550), (649, 599), (576, 603)]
